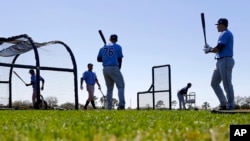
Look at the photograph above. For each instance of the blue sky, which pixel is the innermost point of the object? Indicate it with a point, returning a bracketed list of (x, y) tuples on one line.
[(151, 33)]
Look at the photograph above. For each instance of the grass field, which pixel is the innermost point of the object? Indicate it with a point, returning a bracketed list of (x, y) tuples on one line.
[(128, 125)]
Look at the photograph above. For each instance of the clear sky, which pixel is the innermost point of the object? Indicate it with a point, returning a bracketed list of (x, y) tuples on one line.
[(150, 32)]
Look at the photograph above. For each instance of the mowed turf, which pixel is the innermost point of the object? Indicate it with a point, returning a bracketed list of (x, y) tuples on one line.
[(127, 125)]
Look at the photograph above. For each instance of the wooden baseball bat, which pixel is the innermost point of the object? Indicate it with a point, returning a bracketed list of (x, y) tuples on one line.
[(102, 36), (19, 77), (203, 27), (102, 92)]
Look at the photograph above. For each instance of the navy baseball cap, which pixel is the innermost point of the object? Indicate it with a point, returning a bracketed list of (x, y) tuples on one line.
[(223, 21), (113, 36), (90, 64)]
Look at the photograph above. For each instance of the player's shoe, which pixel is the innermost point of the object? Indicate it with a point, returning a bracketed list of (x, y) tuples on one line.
[(121, 108), (223, 108)]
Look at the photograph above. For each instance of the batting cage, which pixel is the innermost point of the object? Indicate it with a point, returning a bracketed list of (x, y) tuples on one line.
[(158, 96), (53, 60)]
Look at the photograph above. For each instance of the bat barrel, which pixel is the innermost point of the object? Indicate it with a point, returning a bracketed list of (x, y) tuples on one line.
[(204, 26), (19, 77), (102, 36)]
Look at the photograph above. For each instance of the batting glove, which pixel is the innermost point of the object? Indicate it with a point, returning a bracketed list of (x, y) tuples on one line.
[(207, 50)]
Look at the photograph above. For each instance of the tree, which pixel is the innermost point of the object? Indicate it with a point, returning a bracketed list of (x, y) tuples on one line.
[(205, 105), (17, 103), (114, 102), (51, 101), (147, 106), (159, 103), (23, 104), (242, 102), (68, 105), (103, 101), (239, 100), (247, 100), (173, 103)]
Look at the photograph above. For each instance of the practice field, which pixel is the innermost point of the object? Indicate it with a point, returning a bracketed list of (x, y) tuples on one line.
[(127, 125)]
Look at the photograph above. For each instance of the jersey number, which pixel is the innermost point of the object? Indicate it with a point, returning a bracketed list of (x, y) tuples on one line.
[(108, 51)]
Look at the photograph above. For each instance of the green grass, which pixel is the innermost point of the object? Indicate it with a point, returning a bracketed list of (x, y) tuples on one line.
[(128, 125)]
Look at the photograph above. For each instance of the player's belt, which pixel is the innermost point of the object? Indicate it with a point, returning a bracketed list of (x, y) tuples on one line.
[(111, 65), (223, 57)]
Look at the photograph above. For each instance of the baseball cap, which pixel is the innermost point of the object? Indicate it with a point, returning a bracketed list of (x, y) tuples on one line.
[(90, 64), (113, 36), (223, 21)]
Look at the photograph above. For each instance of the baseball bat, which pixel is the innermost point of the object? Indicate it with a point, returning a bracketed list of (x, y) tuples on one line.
[(102, 36), (19, 77), (203, 27), (102, 92)]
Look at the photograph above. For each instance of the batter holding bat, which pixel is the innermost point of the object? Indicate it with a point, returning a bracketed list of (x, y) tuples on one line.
[(90, 79), (224, 65), (34, 85), (111, 57)]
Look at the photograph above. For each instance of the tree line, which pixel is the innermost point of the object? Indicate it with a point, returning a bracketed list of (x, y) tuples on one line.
[(52, 103)]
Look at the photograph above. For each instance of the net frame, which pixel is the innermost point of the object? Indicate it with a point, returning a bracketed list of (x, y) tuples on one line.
[(37, 66), (153, 90)]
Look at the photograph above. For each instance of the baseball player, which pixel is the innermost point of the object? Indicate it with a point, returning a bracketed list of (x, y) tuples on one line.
[(224, 65), (90, 79), (34, 85), (111, 57), (181, 94)]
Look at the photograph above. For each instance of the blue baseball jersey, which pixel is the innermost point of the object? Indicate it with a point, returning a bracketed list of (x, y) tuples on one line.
[(89, 77), (183, 91), (33, 80), (226, 38), (110, 54)]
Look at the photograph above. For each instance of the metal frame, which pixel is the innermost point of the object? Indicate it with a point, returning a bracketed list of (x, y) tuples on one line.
[(152, 87), (37, 67), (191, 99)]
